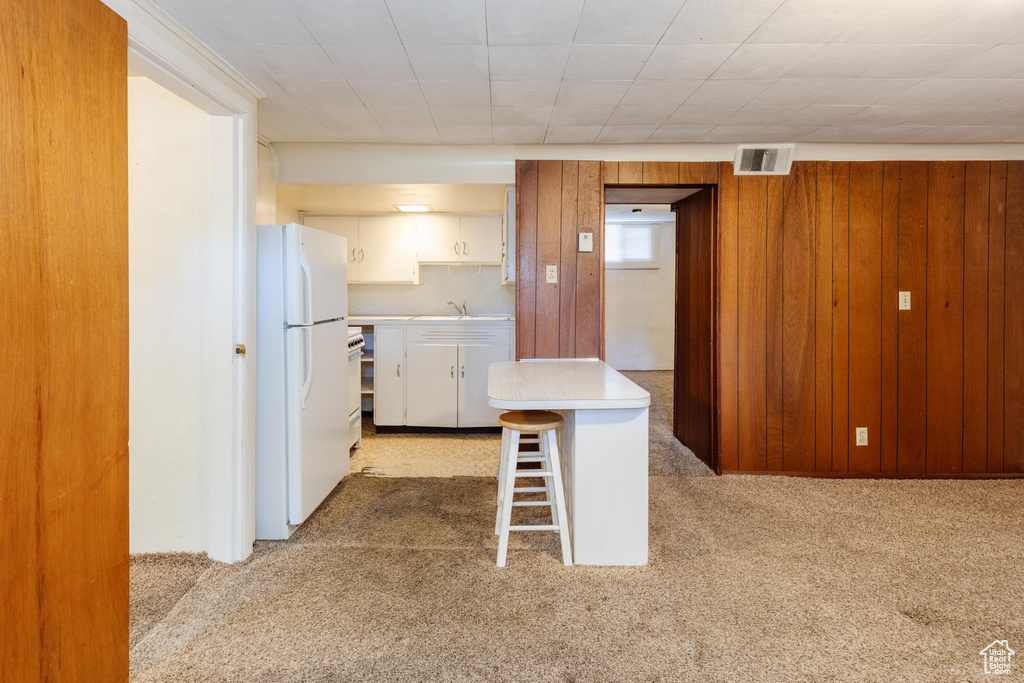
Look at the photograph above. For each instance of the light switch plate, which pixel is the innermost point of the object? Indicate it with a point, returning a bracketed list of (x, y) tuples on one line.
[(904, 301), (552, 275), (586, 241)]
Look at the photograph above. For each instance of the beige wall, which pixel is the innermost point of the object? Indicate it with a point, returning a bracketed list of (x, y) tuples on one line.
[(479, 286)]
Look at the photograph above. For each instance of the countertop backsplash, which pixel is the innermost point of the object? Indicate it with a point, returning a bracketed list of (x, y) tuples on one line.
[(479, 286)]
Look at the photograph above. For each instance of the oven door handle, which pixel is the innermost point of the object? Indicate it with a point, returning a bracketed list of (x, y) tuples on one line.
[(353, 356)]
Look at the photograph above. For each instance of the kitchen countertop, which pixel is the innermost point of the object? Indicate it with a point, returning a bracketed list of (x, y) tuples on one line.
[(561, 385), (420, 319)]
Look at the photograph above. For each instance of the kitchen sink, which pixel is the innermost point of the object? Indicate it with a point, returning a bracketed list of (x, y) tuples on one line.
[(462, 317)]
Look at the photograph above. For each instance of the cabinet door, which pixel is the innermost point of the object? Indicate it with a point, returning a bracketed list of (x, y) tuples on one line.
[(387, 249), (473, 362), (437, 238), (347, 227), (481, 239), (508, 257), (389, 375), (432, 385)]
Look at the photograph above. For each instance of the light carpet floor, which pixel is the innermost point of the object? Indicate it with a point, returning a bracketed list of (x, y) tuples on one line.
[(750, 579)]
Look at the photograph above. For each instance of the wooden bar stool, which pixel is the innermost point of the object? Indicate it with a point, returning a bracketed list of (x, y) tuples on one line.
[(543, 423)]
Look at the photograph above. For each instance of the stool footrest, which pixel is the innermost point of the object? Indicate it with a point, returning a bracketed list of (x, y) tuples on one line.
[(529, 489), (537, 527), (523, 503), (526, 474)]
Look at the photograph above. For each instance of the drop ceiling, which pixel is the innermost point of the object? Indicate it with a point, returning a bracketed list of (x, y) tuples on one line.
[(624, 71)]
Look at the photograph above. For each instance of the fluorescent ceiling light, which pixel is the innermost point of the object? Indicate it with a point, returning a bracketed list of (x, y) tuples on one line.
[(412, 207)]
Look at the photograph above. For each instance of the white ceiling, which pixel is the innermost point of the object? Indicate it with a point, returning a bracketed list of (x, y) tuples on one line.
[(624, 71)]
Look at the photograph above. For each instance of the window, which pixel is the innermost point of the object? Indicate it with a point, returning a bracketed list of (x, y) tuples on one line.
[(631, 245)]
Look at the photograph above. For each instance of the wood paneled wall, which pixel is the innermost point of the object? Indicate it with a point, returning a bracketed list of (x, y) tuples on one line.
[(64, 315), (812, 344), (555, 201)]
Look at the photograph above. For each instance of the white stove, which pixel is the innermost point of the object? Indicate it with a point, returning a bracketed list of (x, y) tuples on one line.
[(355, 399)]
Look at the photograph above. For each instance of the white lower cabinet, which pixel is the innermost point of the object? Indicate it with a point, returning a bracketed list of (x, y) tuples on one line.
[(389, 375), (432, 385), (472, 371)]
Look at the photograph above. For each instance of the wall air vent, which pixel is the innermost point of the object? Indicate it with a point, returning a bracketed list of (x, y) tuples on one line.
[(763, 159)]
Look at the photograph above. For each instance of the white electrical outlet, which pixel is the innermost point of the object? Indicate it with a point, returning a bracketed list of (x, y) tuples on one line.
[(904, 301), (552, 275), (862, 436), (586, 241)]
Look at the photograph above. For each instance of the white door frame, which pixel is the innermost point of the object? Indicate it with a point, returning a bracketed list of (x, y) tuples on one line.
[(160, 49)]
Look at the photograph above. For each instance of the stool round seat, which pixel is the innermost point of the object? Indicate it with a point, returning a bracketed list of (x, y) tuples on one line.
[(530, 420)]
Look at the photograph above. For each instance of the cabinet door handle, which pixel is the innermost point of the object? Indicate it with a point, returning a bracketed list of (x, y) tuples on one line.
[(398, 370), (464, 250), (353, 255), (453, 372), (361, 255), (463, 372), (456, 248)]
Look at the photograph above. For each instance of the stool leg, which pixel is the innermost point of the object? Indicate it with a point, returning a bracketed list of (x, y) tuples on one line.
[(502, 466), (506, 503), (556, 471), (549, 483)]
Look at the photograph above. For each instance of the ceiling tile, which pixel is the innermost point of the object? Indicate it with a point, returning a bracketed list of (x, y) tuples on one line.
[(389, 93), (195, 20), (685, 62), (772, 61), (456, 93), (573, 116), (404, 117), (840, 60), (865, 91), (883, 115), (702, 115), (532, 22), (572, 135), (755, 134), (439, 22), (993, 93), (449, 117), (799, 90), (659, 92), (309, 133), (591, 92), (264, 22), (347, 22), (465, 135), (520, 116), (414, 136), (762, 114), (623, 22), (922, 61), (823, 114), (991, 22), (1000, 61), (797, 21), (625, 134), (905, 22), (287, 116), (995, 134), (718, 21), (737, 92), (524, 92), (449, 62), (519, 135), (326, 93), (668, 133), (297, 62), (639, 116), (371, 62), (931, 91), (606, 62), (948, 134), (346, 117), (527, 62)]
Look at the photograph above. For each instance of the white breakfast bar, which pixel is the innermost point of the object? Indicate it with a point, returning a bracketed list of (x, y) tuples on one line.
[(603, 449)]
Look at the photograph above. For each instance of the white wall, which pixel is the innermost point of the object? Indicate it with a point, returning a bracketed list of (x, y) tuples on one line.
[(640, 312), (266, 186), (180, 330), (479, 286)]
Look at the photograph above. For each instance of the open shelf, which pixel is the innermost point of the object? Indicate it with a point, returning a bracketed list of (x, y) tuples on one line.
[(366, 386)]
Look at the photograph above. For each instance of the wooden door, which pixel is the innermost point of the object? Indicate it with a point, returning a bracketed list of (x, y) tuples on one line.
[(64, 315), (431, 386), (474, 360), (693, 413)]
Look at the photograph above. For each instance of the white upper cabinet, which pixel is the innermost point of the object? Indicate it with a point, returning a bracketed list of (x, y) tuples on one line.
[(387, 249), (347, 227), (467, 239), (508, 237)]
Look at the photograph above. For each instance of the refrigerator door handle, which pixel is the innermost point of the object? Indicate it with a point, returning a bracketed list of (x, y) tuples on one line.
[(307, 295), (308, 363)]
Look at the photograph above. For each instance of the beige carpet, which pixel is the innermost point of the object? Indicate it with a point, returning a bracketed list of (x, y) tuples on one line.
[(750, 579)]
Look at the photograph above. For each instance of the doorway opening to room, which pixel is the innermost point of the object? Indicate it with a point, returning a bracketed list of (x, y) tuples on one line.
[(660, 303)]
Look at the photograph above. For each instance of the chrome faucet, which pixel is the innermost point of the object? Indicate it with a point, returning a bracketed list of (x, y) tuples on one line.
[(462, 310)]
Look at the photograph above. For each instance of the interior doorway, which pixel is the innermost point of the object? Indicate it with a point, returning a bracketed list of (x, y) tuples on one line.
[(681, 334)]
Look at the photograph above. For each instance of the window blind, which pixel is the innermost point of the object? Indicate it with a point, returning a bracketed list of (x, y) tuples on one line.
[(631, 245)]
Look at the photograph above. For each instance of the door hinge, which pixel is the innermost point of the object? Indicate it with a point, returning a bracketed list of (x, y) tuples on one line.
[(240, 350)]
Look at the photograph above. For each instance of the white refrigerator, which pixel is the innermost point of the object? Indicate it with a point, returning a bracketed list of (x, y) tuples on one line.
[(301, 373)]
